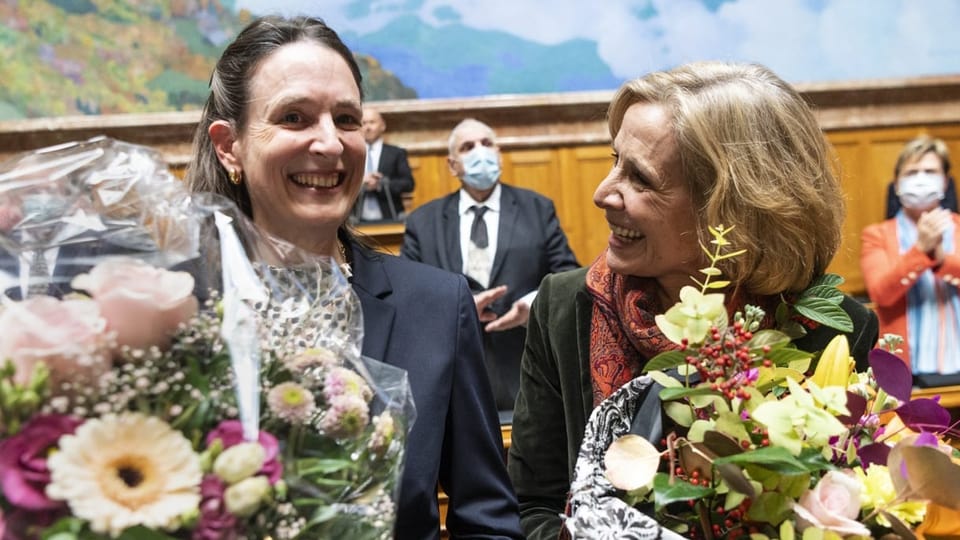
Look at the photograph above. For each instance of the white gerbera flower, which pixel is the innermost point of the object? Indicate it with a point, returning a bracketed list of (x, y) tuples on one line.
[(127, 470)]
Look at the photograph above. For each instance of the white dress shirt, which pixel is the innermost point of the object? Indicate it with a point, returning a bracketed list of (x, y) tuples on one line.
[(481, 271)]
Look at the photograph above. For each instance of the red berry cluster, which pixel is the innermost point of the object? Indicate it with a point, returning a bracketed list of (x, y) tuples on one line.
[(722, 357), (727, 524)]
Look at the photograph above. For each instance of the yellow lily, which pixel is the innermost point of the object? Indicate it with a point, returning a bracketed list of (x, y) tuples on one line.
[(835, 365)]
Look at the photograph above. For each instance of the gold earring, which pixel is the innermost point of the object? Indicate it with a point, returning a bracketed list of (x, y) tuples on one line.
[(235, 177)]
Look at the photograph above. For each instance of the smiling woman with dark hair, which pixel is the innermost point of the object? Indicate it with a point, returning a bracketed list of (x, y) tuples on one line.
[(280, 135)]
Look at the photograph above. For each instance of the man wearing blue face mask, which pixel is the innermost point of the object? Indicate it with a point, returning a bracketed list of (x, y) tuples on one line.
[(503, 238), (911, 264)]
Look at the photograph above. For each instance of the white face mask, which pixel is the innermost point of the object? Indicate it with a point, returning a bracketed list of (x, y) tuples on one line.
[(920, 190), (481, 168)]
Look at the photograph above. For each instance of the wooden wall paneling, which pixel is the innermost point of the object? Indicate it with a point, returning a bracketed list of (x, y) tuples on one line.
[(848, 149), (537, 170), (433, 179), (569, 202), (586, 224)]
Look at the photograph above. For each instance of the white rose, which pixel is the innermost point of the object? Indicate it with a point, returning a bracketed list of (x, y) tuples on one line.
[(244, 497), (239, 462)]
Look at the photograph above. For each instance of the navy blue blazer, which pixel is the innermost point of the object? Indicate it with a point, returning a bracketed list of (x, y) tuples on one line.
[(424, 320), (399, 180), (530, 245)]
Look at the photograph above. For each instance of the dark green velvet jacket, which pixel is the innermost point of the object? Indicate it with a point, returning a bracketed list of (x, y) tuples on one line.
[(556, 398)]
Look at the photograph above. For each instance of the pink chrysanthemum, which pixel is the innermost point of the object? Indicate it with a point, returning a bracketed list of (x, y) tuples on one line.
[(347, 416), (291, 402)]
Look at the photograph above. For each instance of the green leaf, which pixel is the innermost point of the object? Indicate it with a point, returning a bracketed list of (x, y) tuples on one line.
[(323, 466), (826, 292), (770, 507), (665, 493), (793, 329), (681, 413), (793, 485), (666, 360), (730, 423), (767, 338), (825, 313), (718, 284), (711, 271), (665, 380), (142, 533), (832, 280), (774, 458), (670, 394), (785, 356)]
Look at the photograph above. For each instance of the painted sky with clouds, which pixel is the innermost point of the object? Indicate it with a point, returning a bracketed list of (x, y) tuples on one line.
[(802, 40)]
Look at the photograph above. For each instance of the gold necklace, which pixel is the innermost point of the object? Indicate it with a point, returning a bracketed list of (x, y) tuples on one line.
[(345, 265)]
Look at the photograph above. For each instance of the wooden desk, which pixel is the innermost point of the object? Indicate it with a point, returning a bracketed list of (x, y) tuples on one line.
[(949, 395), (387, 236)]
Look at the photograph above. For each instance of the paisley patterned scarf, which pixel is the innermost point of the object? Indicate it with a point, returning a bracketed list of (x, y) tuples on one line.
[(623, 334)]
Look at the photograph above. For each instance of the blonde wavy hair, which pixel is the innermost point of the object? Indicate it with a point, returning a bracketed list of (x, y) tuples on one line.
[(753, 157), (917, 148)]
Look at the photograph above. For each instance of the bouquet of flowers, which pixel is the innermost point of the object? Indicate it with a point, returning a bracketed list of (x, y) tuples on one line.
[(163, 382), (760, 447)]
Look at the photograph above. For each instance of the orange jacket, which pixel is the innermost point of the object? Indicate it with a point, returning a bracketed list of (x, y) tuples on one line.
[(889, 274)]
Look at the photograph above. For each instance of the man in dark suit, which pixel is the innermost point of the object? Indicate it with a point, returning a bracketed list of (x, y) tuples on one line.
[(387, 175), (504, 239)]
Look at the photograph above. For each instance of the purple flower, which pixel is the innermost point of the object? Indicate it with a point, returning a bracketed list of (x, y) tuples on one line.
[(23, 461), (230, 432), (215, 522)]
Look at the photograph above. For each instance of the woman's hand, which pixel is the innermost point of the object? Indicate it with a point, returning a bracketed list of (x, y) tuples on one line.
[(930, 228)]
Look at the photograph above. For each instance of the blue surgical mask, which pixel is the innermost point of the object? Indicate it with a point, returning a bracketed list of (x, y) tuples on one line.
[(920, 190), (481, 168), (43, 207)]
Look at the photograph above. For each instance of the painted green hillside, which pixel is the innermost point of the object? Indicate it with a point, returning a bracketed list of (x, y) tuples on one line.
[(69, 57)]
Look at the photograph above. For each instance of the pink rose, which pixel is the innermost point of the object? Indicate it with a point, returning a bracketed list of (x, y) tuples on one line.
[(143, 304), (69, 336), (833, 505), (23, 461), (230, 432)]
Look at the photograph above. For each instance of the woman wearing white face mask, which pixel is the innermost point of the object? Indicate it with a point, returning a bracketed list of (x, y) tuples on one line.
[(911, 262)]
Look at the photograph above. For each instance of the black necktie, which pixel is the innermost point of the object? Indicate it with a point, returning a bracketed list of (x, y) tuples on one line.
[(478, 232)]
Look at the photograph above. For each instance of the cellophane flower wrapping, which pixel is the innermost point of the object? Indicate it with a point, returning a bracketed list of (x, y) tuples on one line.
[(737, 433), (167, 371)]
